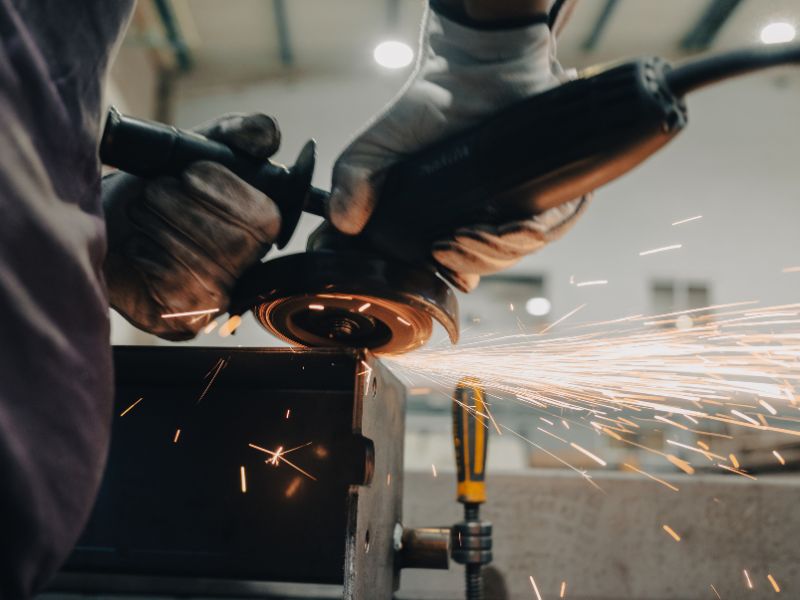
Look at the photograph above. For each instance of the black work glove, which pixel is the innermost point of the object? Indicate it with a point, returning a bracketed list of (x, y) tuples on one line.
[(178, 245)]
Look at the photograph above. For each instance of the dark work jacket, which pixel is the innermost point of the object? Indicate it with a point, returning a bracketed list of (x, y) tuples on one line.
[(55, 359)]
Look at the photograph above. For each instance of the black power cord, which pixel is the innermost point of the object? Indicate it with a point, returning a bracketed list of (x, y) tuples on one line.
[(700, 72)]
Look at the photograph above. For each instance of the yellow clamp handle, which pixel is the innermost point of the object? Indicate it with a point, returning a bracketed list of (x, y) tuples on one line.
[(470, 437)]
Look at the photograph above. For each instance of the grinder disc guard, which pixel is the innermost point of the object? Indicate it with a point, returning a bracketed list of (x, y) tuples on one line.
[(336, 299)]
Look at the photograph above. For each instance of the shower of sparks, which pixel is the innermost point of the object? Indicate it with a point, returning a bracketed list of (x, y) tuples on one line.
[(229, 326), (689, 220), (774, 584), (563, 589), (747, 578), (243, 478), (737, 362), (213, 374), (177, 435), (127, 410), (191, 313), (779, 457), (716, 593), (791, 269), (535, 589), (593, 282), (433, 468), (279, 455), (663, 249), (671, 533)]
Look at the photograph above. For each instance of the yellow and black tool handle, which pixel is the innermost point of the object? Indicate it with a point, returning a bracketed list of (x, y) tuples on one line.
[(470, 438)]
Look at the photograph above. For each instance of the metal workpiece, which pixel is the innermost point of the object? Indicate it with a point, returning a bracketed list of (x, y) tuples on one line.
[(233, 470)]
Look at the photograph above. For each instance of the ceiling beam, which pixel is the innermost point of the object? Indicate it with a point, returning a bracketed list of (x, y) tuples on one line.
[(600, 25), (282, 29), (703, 32), (183, 56)]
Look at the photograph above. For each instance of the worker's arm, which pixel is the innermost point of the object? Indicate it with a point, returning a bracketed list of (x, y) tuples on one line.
[(178, 245), (476, 58)]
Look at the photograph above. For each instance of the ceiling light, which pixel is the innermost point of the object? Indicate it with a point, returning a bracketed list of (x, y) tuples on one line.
[(393, 55), (778, 33), (538, 307)]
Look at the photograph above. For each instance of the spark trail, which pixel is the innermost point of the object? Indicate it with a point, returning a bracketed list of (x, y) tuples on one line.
[(735, 368)]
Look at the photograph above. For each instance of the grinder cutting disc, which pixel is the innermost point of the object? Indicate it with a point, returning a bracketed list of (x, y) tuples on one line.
[(320, 299)]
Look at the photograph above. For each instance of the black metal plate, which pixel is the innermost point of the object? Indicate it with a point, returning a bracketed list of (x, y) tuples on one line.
[(177, 509)]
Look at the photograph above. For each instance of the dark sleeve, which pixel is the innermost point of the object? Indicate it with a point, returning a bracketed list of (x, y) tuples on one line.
[(55, 365)]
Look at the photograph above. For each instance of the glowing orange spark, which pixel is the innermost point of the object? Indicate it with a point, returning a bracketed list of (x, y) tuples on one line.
[(682, 221), (563, 589), (388, 479), (127, 410), (316, 307), (653, 477), (734, 460), (663, 249), (433, 468), (229, 326), (364, 307), (703, 445), (774, 583), (280, 455), (243, 480), (779, 457), (593, 282), (741, 415), (671, 533), (716, 592), (403, 321), (177, 435), (535, 589), (190, 313), (594, 457), (288, 412), (213, 373), (768, 406), (791, 269), (210, 327), (747, 577), (561, 320)]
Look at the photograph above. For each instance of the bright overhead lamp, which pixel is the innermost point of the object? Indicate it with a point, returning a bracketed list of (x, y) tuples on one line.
[(538, 307), (778, 33), (393, 55)]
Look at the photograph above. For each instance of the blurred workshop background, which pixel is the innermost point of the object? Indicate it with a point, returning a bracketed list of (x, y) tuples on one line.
[(726, 191)]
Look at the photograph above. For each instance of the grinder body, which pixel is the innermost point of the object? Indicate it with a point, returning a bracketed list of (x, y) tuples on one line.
[(539, 153)]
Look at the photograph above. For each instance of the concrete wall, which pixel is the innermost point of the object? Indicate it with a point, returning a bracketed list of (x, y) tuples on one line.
[(609, 544)]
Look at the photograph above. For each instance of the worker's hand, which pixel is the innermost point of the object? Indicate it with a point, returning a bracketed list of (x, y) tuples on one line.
[(464, 75), (179, 245)]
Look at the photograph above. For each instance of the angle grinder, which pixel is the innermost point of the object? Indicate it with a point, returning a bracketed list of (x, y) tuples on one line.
[(379, 290)]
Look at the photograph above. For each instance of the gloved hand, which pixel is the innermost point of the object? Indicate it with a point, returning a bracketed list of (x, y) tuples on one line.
[(179, 244), (464, 74)]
